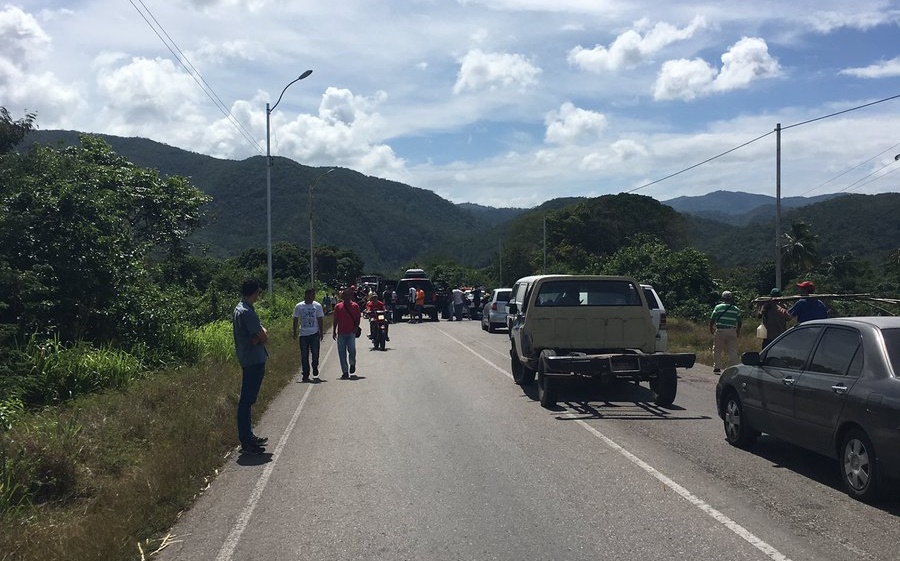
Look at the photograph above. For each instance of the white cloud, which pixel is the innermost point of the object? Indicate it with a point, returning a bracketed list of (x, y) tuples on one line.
[(22, 41), (571, 125), (744, 62), (479, 70), (883, 69), (631, 48)]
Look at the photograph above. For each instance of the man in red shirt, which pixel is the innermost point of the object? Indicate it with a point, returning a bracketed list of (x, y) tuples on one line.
[(346, 320), (374, 305), (420, 303)]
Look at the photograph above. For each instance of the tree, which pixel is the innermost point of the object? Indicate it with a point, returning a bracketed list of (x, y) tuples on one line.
[(798, 252), (12, 132), (83, 230)]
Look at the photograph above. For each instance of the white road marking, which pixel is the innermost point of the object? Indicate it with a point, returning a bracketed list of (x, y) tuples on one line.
[(742, 532), (243, 519)]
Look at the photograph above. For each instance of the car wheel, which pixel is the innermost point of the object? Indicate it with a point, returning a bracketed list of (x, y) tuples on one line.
[(546, 386), (738, 431), (666, 386), (484, 327), (522, 375), (858, 465), (491, 328)]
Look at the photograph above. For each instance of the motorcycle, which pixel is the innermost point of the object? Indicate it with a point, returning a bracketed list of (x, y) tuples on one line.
[(378, 328)]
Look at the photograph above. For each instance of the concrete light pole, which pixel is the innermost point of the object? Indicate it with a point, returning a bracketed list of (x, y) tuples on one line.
[(269, 179), (312, 277)]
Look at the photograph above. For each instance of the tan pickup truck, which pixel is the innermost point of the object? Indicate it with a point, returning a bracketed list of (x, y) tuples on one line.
[(600, 327)]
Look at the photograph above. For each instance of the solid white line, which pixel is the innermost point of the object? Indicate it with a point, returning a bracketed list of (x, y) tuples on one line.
[(243, 519), (742, 532)]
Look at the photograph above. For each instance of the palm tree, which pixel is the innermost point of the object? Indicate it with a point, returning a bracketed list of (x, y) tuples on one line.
[(798, 252)]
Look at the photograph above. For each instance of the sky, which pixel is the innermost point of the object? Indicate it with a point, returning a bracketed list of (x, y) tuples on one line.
[(505, 103)]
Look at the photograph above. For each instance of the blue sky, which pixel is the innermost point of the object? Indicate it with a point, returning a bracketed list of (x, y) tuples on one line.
[(497, 102)]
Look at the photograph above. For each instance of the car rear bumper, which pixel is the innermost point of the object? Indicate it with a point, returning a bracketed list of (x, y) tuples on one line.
[(619, 365)]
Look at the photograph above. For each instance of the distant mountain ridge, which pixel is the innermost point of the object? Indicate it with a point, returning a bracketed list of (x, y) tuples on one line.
[(390, 224), (737, 207)]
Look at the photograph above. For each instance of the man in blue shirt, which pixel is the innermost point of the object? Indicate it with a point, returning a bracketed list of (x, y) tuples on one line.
[(250, 346), (808, 308)]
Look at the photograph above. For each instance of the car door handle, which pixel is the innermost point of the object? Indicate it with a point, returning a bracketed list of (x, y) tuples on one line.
[(789, 381), (839, 389)]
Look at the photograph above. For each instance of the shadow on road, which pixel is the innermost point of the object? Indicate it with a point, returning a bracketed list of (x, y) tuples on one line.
[(254, 459)]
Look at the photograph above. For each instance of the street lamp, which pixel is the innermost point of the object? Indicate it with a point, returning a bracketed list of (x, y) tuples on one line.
[(312, 278), (269, 178)]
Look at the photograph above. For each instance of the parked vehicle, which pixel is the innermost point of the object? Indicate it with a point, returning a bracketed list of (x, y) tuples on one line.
[(493, 315), (404, 306), (378, 326), (831, 386), (658, 313), (596, 327)]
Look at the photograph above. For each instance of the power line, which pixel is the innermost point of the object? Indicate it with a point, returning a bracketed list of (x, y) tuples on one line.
[(891, 149), (763, 136), (194, 73)]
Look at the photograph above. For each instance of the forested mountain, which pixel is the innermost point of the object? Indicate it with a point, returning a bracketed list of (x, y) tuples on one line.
[(390, 224)]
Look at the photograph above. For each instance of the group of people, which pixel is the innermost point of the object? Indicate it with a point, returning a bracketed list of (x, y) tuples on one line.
[(250, 339), (726, 320)]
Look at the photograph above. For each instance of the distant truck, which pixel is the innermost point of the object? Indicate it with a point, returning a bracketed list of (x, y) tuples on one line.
[(596, 327), (434, 301)]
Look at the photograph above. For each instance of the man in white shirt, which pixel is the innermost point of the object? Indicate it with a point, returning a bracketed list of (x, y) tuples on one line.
[(411, 306), (458, 303), (308, 314)]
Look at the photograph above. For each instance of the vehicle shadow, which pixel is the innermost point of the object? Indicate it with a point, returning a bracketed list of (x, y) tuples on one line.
[(254, 459), (821, 469), (584, 399)]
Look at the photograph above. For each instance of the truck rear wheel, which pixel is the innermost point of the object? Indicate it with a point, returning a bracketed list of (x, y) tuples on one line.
[(665, 387)]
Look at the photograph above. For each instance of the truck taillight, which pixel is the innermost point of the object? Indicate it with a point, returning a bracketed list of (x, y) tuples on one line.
[(662, 320)]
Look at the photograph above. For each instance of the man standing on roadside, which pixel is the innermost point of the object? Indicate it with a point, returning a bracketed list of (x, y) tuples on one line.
[(411, 306), (457, 304), (309, 315), (345, 322), (250, 346), (774, 318), (725, 326), (420, 303)]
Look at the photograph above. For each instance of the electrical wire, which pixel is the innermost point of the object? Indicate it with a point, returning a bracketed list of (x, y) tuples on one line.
[(193, 72), (671, 175)]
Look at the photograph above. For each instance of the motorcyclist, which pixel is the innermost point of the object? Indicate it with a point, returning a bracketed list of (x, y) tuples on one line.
[(372, 306)]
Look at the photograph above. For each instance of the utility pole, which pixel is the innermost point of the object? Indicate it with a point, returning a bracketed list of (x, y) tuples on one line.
[(778, 205)]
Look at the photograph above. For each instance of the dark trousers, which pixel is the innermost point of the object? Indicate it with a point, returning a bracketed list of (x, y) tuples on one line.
[(250, 383), (309, 345)]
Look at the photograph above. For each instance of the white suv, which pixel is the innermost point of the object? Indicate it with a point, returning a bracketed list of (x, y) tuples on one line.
[(658, 312)]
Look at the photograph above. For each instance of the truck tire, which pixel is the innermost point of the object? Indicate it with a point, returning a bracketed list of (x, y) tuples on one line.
[(522, 375), (666, 386), (546, 386)]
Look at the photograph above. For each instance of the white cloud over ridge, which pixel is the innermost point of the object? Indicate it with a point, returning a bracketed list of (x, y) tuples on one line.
[(632, 47), (746, 61), (572, 125), (479, 70)]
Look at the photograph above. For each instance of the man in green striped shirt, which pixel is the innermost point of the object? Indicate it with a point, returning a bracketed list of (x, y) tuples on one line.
[(725, 326)]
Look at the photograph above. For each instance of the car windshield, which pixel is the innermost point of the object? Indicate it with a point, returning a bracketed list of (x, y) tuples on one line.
[(892, 343), (588, 292)]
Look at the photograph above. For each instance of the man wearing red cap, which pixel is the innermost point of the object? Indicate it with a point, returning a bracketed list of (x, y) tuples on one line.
[(808, 308)]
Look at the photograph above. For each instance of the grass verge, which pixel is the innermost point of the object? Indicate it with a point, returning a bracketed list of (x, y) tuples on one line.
[(128, 461)]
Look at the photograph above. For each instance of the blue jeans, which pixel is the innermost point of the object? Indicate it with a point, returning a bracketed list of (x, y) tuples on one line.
[(346, 345), (309, 344), (250, 383)]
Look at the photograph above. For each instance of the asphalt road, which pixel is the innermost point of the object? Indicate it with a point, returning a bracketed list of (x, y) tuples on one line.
[(435, 454)]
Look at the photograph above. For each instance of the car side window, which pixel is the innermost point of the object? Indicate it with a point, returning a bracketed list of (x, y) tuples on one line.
[(792, 350), (836, 351)]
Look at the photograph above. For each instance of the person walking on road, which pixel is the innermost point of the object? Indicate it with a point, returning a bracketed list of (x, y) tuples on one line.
[(411, 305), (346, 321), (458, 299), (725, 327), (250, 347), (309, 315)]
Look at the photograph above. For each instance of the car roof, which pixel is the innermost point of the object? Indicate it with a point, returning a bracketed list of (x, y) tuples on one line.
[(881, 322)]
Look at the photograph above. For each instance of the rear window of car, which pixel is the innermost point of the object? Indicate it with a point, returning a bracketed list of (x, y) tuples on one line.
[(588, 292), (892, 343), (836, 351), (651, 299), (503, 295)]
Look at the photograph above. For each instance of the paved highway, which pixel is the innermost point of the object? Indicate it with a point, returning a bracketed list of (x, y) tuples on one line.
[(435, 454)]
